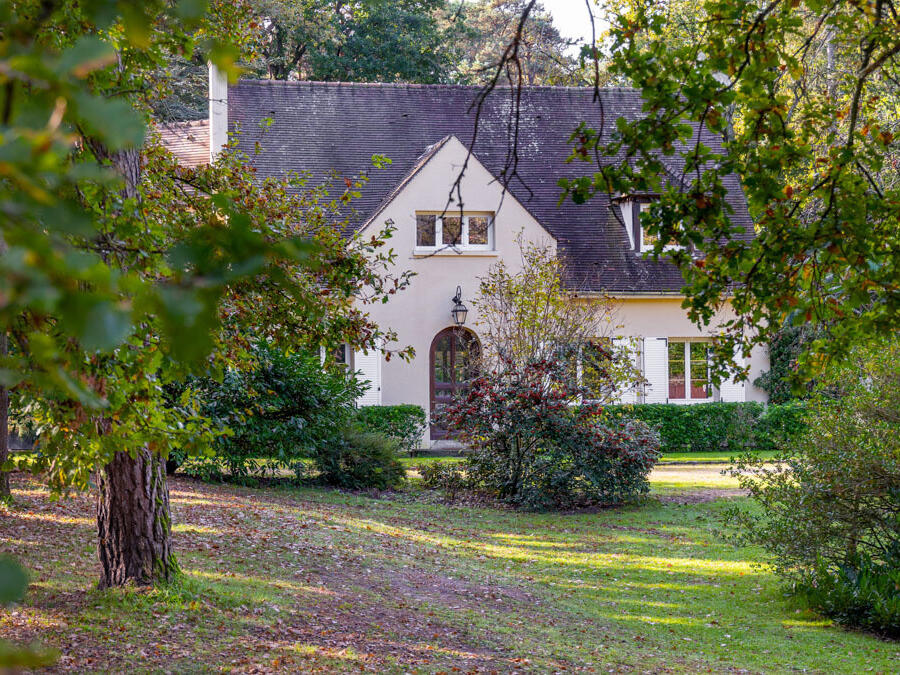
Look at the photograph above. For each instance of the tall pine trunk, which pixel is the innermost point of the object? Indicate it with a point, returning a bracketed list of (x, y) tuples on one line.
[(4, 425), (133, 521)]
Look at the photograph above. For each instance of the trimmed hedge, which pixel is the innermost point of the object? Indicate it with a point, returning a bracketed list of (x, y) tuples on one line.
[(717, 427), (405, 423)]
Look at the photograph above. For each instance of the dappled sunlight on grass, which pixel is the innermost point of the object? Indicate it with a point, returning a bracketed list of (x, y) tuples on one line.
[(197, 501), (231, 577), (807, 623), (54, 518), (675, 475), (318, 650), (550, 556), (299, 580), (521, 541), (36, 618), (654, 620), (181, 528)]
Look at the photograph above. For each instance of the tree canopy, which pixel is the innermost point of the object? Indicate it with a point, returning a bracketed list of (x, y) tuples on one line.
[(545, 57), (800, 101), (122, 271), (358, 41)]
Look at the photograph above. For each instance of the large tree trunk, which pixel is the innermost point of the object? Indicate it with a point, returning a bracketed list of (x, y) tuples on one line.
[(133, 521), (4, 426)]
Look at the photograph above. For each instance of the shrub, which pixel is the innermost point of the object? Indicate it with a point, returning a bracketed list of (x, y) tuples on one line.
[(451, 478), (787, 346), (717, 427), (781, 425), (279, 409), (831, 508), (357, 459), (406, 423), (531, 448), (861, 593)]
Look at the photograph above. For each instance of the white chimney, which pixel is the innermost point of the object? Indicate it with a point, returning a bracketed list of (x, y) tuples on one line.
[(218, 110)]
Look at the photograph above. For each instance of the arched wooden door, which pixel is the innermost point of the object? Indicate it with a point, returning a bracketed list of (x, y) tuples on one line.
[(453, 363)]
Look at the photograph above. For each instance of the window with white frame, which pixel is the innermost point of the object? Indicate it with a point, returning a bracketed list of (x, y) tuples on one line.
[(469, 231), (341, 356), (689, 370), (646, 240)]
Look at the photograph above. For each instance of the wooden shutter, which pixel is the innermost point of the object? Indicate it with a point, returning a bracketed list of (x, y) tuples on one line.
[(732, 391), (656, 370), (368, 367)]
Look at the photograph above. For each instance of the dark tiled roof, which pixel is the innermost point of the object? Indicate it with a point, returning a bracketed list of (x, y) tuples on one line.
[(188, 141), (319, 127)]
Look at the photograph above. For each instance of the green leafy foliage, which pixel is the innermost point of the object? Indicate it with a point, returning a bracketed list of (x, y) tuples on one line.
[(358, 460), (860, 593), (830, 510), (279, 409), (13, 583), (451, 478), (531, 448), (716, 427), (361, 41), (796, 102), (780, 426), (120, 271), (785, 349), (529, 315), (405, 423)]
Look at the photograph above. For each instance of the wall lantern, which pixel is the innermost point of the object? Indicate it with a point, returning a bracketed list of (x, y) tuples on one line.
[(459, 310)]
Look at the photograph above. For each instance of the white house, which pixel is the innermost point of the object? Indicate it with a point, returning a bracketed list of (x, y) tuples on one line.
[(426, 131)]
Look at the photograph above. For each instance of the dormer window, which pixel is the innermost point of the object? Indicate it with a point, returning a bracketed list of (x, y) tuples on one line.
[(645, 239), (470, 231)]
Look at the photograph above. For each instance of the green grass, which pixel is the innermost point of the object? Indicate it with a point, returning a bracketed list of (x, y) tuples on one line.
[(409, 462), (707, 457), (316, 580)]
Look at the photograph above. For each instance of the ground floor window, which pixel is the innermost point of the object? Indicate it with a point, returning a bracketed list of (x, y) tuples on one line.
[(341, 356), (689, 370)]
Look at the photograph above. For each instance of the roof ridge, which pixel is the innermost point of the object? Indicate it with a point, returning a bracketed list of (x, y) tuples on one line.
[(416, 85), (179, 124)]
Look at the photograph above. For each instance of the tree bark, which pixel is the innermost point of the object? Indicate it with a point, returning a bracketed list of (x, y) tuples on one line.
[(133, 521), (4, 425)]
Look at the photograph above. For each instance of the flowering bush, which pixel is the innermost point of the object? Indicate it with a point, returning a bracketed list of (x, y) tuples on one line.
[(533, 448)]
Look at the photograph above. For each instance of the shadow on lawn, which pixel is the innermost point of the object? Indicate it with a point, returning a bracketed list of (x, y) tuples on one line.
[(298, 579)]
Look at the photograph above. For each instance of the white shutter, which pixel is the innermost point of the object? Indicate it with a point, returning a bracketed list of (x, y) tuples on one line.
[(732, 391), (629, 396), (656, 370), (368, 367)]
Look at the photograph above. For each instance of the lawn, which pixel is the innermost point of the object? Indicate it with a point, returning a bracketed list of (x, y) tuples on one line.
[(305, 580)]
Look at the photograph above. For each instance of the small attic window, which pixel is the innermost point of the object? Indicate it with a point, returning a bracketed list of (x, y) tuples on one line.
[(642, 240), (471, 231), (647, 240)]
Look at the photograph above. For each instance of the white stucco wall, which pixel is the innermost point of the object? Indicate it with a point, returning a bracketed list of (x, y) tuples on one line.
[(423, 310), (419, 313), (663, 316)]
